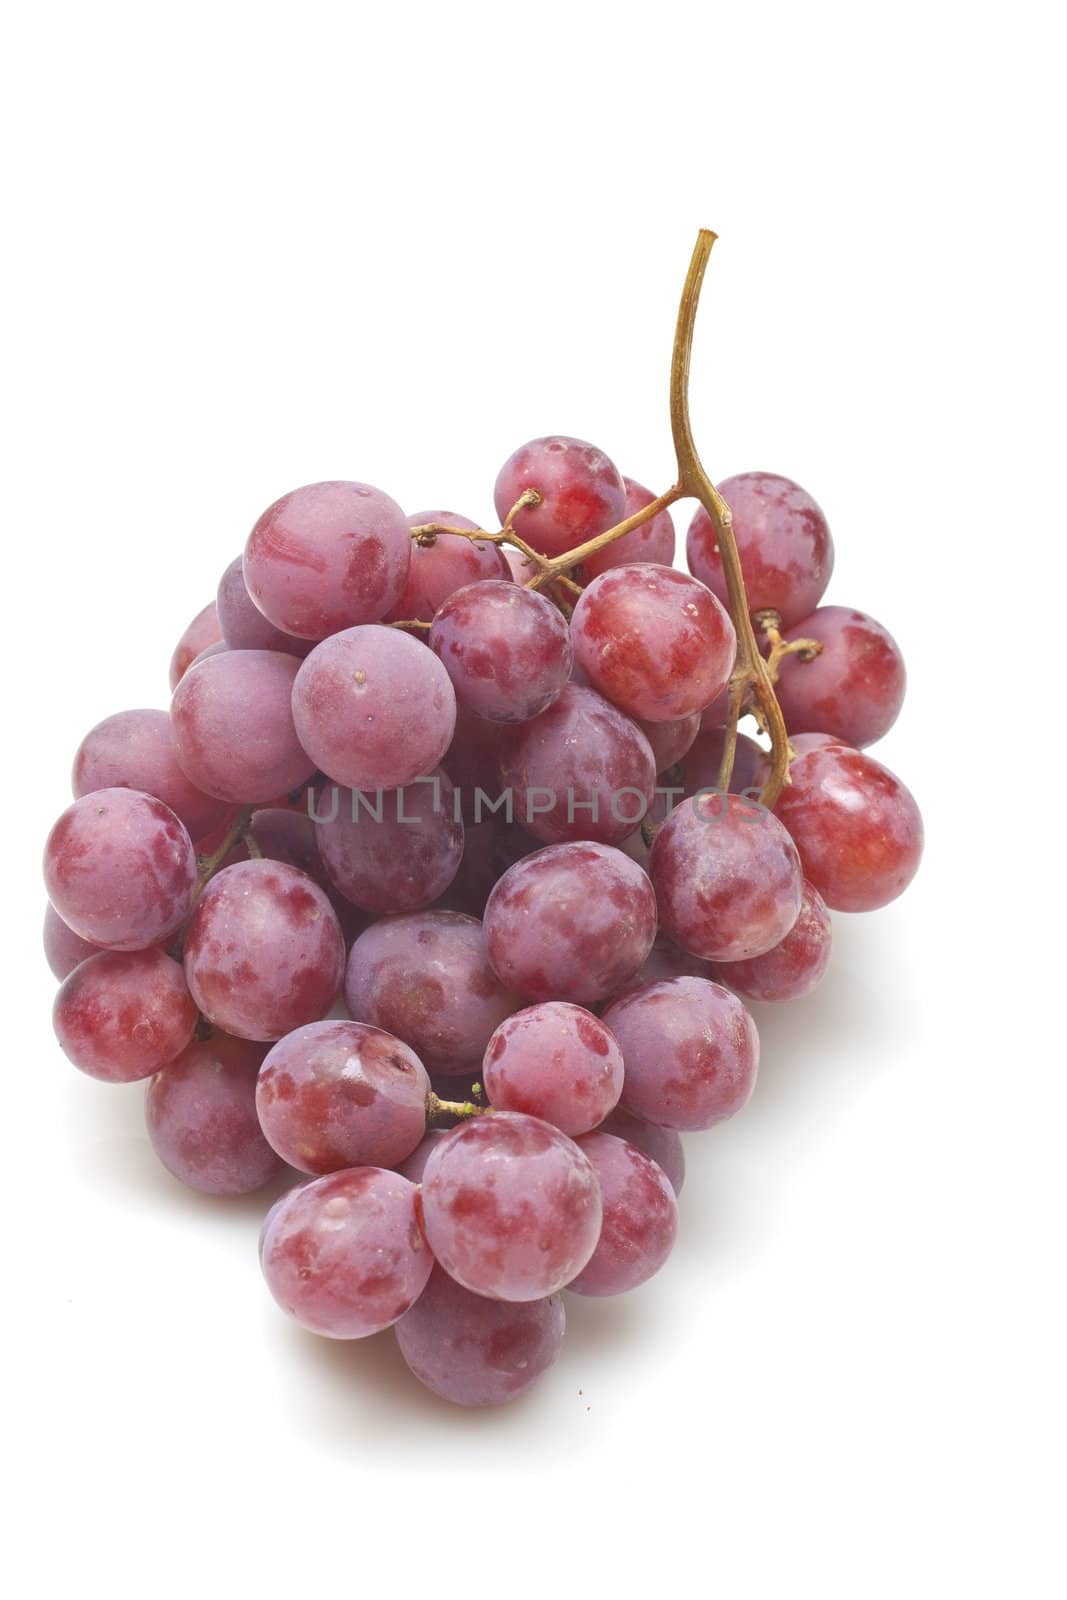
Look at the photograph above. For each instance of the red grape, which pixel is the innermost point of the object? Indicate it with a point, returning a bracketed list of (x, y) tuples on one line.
[(439, 569), (339, 1094), (582, 493), (803, 742), (691, 1052), (652, 541), (854, 688), (555, 1061), (244, 627), (701, 766), (395, 850), (506, 649), (264, 952), (473, 761), (374, 708), (120, 869), (856, 826), (653, 641), (666, 960), (123, 1014), (670, 740), (794, 967), (234, 729), (344, 1254), (63, 948), (136, 750), (783, 541), (414, 1165), (478, 1352), (510, 1207), (572, 922), (581, 770), (661, 1145), (200, 1112), (640, 1217), (326, 557), (426, 978), (204, 630), (727, 878)]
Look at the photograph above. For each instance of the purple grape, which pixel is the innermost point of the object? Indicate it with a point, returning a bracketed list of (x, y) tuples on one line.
[(234, 729), (123, 1014), (374, 708), (802, 743), (426, 978), (204, 630), (661, 1145), (510, 1207), (783, 541), (339, 1094), (326, 557), (478, 1352), (640, 1217), (572, 922), (506, 649), (120, 869), (291, 836), (489, 849), (344, 1254), (136, 750), (582, 493), (652, 541), (414, 1165), (581, 770), (727, 877), (854, 688), (793, 968), (264, 952), (691, 1052), (653, 641), (63, 948), (666, 960), (394, 850), (670, 740), (244, 627), (555, 1061), (437, 570), (703, 763), (200, 1112)]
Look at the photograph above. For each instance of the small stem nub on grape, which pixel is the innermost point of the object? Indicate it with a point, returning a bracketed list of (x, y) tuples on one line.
[(436, 1107)]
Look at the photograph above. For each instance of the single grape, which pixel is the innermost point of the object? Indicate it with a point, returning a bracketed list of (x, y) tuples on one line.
[(783, 541), (582, 493), (339, 1094), (123, 1014), (204, 630), (691, 1052), (572, 922), (120, 869), (854, 688), (233, 726), (478, 1352), (653, 641), (326, 557), (200, 1112), (437, 570), (426, 978), (374, 708), (581, 770), (244, 627), (661, 1145), (793, 968), (136, 750), (393, 850), (555, 1061), (510, 1207), (344, 1254), (856, 826), (63, 948), (665, 960), (703, 763), (670, 740), (506, 649), (264, 952), (640, 1217), (652, 541), (727, 878), (414, 1165)]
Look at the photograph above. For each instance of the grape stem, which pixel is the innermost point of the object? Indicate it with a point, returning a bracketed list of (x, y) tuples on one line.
[(436, 1107), (235, 833), (806, 649)]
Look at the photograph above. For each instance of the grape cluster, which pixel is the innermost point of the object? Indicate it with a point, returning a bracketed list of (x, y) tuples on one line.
[(426, 888)]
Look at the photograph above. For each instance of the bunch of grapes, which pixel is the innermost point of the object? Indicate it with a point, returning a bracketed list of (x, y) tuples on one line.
[(446, 878)]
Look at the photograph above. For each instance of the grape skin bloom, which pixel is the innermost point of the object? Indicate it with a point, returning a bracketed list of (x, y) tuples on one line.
[(853, 688), (204, 631), (123, 1014), (640, 1217), (791, 969), (510, 1206), (136, 750), (507, 650), (200, 1115), (390, 851), (555, 1061), (344, 1254), (234, 729), (783, 541), (582, 492)]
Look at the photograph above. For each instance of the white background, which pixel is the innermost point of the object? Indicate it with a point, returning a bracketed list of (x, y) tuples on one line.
[(256, 245)]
